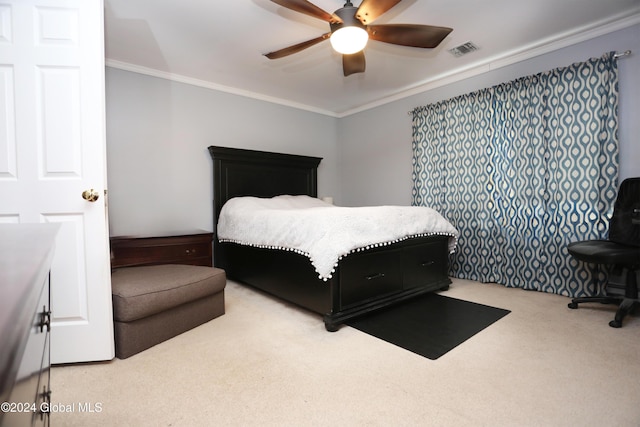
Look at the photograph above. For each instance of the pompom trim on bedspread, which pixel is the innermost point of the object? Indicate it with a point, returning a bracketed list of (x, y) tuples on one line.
[(452, 248)]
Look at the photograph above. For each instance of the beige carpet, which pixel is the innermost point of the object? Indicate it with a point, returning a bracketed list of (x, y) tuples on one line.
[(265, 363)]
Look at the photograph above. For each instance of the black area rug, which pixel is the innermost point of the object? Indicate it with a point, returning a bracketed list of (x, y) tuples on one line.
[(429, 325)]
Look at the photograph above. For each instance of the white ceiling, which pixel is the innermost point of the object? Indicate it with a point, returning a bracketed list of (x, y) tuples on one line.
[(219, 44)]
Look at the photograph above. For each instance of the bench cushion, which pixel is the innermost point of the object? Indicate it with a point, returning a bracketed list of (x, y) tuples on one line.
[(139, 292)]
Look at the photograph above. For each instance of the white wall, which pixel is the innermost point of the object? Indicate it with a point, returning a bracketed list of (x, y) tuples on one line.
[(158, 131), (375, 145)]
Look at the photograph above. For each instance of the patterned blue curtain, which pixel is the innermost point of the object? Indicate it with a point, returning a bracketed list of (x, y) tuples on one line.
[(522, 169)]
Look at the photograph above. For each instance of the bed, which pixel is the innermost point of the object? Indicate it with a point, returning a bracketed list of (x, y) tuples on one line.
[(365, 280)]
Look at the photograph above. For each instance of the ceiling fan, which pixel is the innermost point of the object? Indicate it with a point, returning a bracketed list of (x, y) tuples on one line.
[(351, 28)]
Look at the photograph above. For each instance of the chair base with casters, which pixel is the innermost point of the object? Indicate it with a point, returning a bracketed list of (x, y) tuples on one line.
[(608, 252)]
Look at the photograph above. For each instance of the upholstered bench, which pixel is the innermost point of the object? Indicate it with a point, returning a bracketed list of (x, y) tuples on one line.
[(158, 293), (154, 303)]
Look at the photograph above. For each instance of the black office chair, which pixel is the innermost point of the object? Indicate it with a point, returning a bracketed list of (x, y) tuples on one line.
[(622, 250)]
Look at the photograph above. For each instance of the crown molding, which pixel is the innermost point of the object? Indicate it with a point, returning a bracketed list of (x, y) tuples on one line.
[(125, 66), (527, 52)]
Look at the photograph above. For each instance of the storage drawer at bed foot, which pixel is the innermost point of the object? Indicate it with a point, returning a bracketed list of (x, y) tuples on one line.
[(180, 251), (192, 249), (369, 275), (424, 264)]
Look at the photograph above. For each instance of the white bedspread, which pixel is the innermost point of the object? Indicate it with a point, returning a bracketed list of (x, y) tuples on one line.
[(323, 232)]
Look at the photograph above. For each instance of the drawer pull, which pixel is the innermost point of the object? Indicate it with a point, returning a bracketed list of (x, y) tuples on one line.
[(45, 319), (44, 409), (375, 276), (427, 263), (190, 251)]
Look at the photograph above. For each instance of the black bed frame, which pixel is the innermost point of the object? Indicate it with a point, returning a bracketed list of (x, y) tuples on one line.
[(363, 281)]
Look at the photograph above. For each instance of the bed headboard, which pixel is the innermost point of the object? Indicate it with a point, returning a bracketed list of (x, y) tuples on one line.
[(240, 172)]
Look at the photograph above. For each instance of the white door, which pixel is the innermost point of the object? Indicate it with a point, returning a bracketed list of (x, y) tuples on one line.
[(52, 148)]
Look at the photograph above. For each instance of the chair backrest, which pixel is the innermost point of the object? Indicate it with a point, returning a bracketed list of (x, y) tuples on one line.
[(625, 223)]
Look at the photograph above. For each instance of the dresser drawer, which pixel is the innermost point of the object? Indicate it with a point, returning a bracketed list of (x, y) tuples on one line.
[(425, 263), (369, 275)]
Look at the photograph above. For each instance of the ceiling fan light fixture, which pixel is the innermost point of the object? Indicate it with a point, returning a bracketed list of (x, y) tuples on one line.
[(351, 29), (349, 40), (348, 34)]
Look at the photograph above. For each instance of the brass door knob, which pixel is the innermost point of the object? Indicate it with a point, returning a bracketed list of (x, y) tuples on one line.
[(90, 195)]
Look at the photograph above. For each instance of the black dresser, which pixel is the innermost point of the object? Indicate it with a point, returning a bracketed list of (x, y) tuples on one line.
[(26, 253)]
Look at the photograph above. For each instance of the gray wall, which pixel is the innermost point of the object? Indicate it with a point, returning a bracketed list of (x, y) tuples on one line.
[(375, 145), (158, 131)]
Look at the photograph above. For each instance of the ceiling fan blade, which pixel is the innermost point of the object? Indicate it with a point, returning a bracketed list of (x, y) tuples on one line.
[(353, 63), (369, 10), (426, 36), (303, 6), (296, 47)]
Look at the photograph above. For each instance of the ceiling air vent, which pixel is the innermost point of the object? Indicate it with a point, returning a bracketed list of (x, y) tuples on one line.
[(463, 49)]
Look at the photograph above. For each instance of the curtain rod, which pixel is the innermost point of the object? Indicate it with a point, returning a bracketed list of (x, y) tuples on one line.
[(616, 55)]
